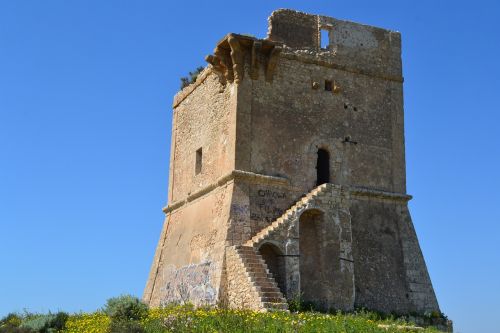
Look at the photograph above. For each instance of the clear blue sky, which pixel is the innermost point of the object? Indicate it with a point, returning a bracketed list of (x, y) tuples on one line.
[(85, 115)]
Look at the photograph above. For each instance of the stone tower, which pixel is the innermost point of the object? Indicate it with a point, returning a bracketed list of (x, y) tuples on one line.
[(287, 175)]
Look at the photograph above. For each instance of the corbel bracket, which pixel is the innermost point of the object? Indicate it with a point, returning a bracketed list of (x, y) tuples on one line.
[(236, 52)]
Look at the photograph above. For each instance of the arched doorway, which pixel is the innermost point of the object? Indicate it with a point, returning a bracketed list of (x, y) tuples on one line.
[(311, 270), (275, 262), (322, 167)]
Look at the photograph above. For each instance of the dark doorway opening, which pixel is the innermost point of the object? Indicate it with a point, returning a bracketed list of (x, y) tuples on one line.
[(276, 264), (323, 167)]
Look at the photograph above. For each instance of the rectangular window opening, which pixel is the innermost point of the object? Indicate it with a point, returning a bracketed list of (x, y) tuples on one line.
[(199, 161), (328, 85), (325, 38)]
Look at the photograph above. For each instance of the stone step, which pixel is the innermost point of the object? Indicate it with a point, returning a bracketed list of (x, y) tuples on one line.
[(272, 305), (256, 263), (255, 270), (276, 294), (270, 290), (245, 250), (256, 267), (260, 275), (264, 283), (241, 248), (251, 257), (248, 254), (264, 279), (273, 299), (252, 262), (264, 275), (258, 270)]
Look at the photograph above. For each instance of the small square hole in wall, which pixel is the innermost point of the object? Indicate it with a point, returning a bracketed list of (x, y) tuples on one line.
[(199, 161), (325, 38), (328, 85)]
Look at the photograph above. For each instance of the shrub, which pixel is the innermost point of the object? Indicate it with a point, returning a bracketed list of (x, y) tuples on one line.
[(125, 326), (11, 320), (186, 81), (125, 307), (38, 323), (14, 329), (296, 304), (48, 323), (60, 320)]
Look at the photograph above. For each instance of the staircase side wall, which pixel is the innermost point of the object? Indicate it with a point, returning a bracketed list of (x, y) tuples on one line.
[(237, 291)]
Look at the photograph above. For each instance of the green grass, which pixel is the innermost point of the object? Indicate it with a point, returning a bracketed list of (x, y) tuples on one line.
[(181, 319), (187, 319)]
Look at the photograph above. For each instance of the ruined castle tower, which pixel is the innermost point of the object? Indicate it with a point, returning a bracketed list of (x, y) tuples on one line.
[(287, 175)]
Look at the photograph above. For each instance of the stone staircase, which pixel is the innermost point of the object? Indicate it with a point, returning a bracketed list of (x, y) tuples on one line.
[(258, 272), (281, 221), (252, 284)]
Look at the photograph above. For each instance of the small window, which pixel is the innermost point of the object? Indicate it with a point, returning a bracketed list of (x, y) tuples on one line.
[(328, 85), (325, 38), (199, 161)]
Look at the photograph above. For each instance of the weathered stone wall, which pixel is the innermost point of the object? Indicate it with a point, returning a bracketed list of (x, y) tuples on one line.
[(255, 206), (189, 259), (419, 285), (203, 119), (364, 64), (294, 29), (379, 263), (305, 119)]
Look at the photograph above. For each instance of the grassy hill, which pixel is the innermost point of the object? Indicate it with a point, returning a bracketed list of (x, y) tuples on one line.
[(135, 317)]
